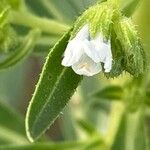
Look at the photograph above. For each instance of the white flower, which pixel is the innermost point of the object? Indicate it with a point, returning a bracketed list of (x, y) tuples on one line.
[(85, 55)]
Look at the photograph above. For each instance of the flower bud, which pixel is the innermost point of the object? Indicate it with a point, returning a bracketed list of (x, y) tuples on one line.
[(89, 47), (118, 57), (8, 36), (132, 50), (99, 17), (107, 40)]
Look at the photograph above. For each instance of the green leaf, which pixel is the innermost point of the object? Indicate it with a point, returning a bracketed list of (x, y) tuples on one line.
[(46, 146), (110, 93), (23, 51), (87, 127), (131, 7), (119, 140), (68, 129), (51, 7), (69, 10), (53, 91), (135, 132), (131, 132), (11, 125)]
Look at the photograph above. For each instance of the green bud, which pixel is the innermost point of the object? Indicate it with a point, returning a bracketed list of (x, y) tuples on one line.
[(132, 50), (8, 39), (7, 34), (118, 57), (99, 17)]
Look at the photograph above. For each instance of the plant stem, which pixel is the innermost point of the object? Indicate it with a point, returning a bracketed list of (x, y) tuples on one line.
[(116, 114), (32, 21), (52, 10), (45, 40)]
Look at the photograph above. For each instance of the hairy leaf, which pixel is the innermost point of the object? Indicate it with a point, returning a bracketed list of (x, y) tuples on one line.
[(54, 89)]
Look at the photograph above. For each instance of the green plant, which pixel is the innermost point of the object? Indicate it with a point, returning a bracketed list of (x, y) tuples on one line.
[(106, 112)]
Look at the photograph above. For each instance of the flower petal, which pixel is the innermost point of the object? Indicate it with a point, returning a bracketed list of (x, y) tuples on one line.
[(108, 64), (97, 49), (73, 52), (108, 60), (75, 47), (103, 51), (101, 47), (86, 66), (89, 49), (83, 33)]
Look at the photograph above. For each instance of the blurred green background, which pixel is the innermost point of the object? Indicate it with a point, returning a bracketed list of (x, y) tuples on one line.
[(17, 84)]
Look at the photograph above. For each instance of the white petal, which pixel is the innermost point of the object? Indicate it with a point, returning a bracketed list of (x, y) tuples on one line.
[(75, 47), (96, 49), (101, 47), (91, 51), (108, 60), (103, 51), (83, 33), (86, 66), (73, 52), (108, 64)]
